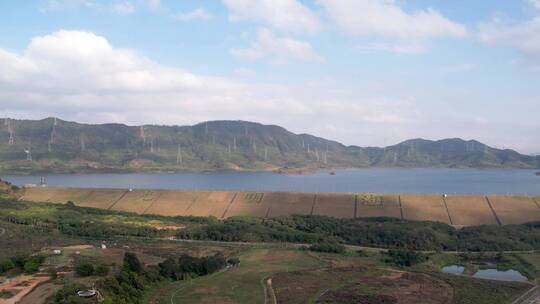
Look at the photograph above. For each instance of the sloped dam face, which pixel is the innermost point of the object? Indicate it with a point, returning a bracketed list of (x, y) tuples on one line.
[(457, 210)]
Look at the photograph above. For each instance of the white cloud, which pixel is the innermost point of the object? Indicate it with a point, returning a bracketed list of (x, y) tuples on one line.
[(124, 8), (288, 15), (386, 18), (398, 48), (535, 3), (153, 4), (523, 36), (196, 14), (244, 73), (459, 68), (279, 49), (82, 76), (55, 5)]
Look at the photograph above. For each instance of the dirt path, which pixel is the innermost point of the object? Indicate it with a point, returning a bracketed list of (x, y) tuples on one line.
[(271, 291), (40, 294), (22, 285)]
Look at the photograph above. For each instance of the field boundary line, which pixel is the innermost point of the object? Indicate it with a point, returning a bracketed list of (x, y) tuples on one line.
[(313, 205), (536, 202), (195, 200), (526, 295), (152, 203), (229, 205), (493, 211), (119, 199), (447, 211), (400, 206), (355, 206)]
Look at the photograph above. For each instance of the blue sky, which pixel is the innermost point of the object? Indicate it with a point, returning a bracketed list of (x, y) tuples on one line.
[(364, 72)]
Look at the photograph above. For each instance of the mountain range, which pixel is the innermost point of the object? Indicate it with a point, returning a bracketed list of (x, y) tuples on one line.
[(54, 145)]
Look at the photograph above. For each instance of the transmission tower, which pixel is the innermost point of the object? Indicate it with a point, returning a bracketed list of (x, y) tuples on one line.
[(10, 130), (179, 155), (141, 133), (28, 154), (83, 145)]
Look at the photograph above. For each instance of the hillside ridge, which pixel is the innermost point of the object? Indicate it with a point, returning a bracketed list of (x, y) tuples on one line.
[(55, 145)]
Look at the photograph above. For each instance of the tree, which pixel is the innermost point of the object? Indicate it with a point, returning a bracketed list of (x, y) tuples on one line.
[(84, 269), (31, 266), (233, 261), (132, 263), (6, 265)]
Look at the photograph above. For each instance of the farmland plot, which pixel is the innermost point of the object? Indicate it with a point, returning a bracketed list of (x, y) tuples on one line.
[(515, 209), (173, 202), (248, 203), (137, 201), (283, 204), (335, 205), (424, 208), (469, 210), (374, 205)]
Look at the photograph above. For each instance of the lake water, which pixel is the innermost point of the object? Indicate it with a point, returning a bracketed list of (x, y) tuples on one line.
[(453, 269), (381, 180), (494, 274)]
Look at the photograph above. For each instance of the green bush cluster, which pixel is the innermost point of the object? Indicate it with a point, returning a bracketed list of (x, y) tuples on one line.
[(404, 258), (187, 266), (377, 232), (22, 263), (328, 247), (128, 286)]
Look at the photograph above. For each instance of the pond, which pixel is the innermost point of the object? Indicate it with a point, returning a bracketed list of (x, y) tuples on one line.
[(500, 275), (453, 269)]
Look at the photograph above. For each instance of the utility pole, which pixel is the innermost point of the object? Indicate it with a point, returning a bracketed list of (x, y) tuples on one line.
[(234, 143)]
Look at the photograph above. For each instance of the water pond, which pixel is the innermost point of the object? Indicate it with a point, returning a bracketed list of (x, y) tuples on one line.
[(500, 275), (453, 269)]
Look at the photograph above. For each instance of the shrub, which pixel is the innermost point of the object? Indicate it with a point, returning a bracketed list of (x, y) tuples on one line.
[(84, 269), (404, 258), (132, 263), (329, 247), (234, 261), (6, 265), (31, 266), (101, 270)]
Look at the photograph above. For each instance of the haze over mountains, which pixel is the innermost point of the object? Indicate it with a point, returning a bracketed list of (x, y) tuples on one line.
[(54, 145)]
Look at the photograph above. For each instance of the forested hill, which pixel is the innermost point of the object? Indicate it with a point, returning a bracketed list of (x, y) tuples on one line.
[(61, 146)]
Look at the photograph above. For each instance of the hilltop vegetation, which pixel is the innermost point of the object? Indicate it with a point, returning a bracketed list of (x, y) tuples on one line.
[(62, 146)]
